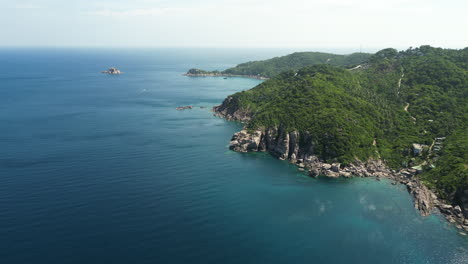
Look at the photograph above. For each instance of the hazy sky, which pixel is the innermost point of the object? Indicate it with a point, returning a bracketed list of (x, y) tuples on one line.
[(235, 23)]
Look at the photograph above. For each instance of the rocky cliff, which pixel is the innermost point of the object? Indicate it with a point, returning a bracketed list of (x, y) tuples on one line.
[(298, 148), (230, 111)]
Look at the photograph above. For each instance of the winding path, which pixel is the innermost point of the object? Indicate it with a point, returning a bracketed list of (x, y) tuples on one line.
[(406, 110), (399, 83)]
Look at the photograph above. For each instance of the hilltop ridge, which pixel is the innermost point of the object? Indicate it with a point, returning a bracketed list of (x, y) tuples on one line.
[(265, 69)]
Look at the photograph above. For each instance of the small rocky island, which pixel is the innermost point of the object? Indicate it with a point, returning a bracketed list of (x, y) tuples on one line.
[(113, 71), (184, 107)]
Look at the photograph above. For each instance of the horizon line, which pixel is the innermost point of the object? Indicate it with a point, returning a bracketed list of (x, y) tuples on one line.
[(358, 49)]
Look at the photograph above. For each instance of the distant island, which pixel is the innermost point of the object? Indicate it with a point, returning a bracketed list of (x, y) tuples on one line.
[(112, 70), (400, 115), (266, 69)]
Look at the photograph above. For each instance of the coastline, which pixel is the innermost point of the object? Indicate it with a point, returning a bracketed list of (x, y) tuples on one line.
[(224, 75), (285, 146)]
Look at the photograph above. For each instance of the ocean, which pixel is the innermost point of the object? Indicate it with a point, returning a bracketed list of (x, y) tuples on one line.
[(97, 168)]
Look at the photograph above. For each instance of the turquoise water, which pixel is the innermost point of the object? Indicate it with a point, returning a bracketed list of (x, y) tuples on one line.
[(103, 169)]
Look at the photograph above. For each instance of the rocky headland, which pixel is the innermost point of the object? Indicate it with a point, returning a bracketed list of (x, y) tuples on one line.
[(224, 75), (264, 69), (203, 73), (297, 148)]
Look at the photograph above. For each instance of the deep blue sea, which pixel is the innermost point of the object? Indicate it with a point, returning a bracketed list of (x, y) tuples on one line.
[(103, 169)]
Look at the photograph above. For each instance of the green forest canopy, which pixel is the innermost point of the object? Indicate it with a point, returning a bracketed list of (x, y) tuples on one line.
[(272, 67), (345, 110)]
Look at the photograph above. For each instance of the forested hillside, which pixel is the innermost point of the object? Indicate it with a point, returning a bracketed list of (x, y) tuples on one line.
[(272, 67), (407, 108)]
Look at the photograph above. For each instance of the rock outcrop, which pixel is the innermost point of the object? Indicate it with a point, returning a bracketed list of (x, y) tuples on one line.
[(462, 197), (230, 111), (424, 198), (113, 71), (245, 141), (184, 107)]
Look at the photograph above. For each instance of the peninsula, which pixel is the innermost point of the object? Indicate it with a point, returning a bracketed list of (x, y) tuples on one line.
[(201, 73), (399, 115), (266, 69)]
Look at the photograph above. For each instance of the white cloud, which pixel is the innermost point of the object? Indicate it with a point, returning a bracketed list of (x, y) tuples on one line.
[(27, 6), (243, 23), (136, 12)]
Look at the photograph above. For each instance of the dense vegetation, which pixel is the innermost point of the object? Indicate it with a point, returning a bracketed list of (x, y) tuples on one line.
[(199, 71), (347, 111), (272, 67)]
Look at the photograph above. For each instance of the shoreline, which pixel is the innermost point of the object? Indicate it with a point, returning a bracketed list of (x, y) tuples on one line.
[(224, 75), (284, 146)]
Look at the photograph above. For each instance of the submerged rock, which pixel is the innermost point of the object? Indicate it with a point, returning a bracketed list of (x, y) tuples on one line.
[(184, 107)]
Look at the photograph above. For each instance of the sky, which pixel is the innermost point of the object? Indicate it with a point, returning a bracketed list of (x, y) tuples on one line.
[(235, 23)]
